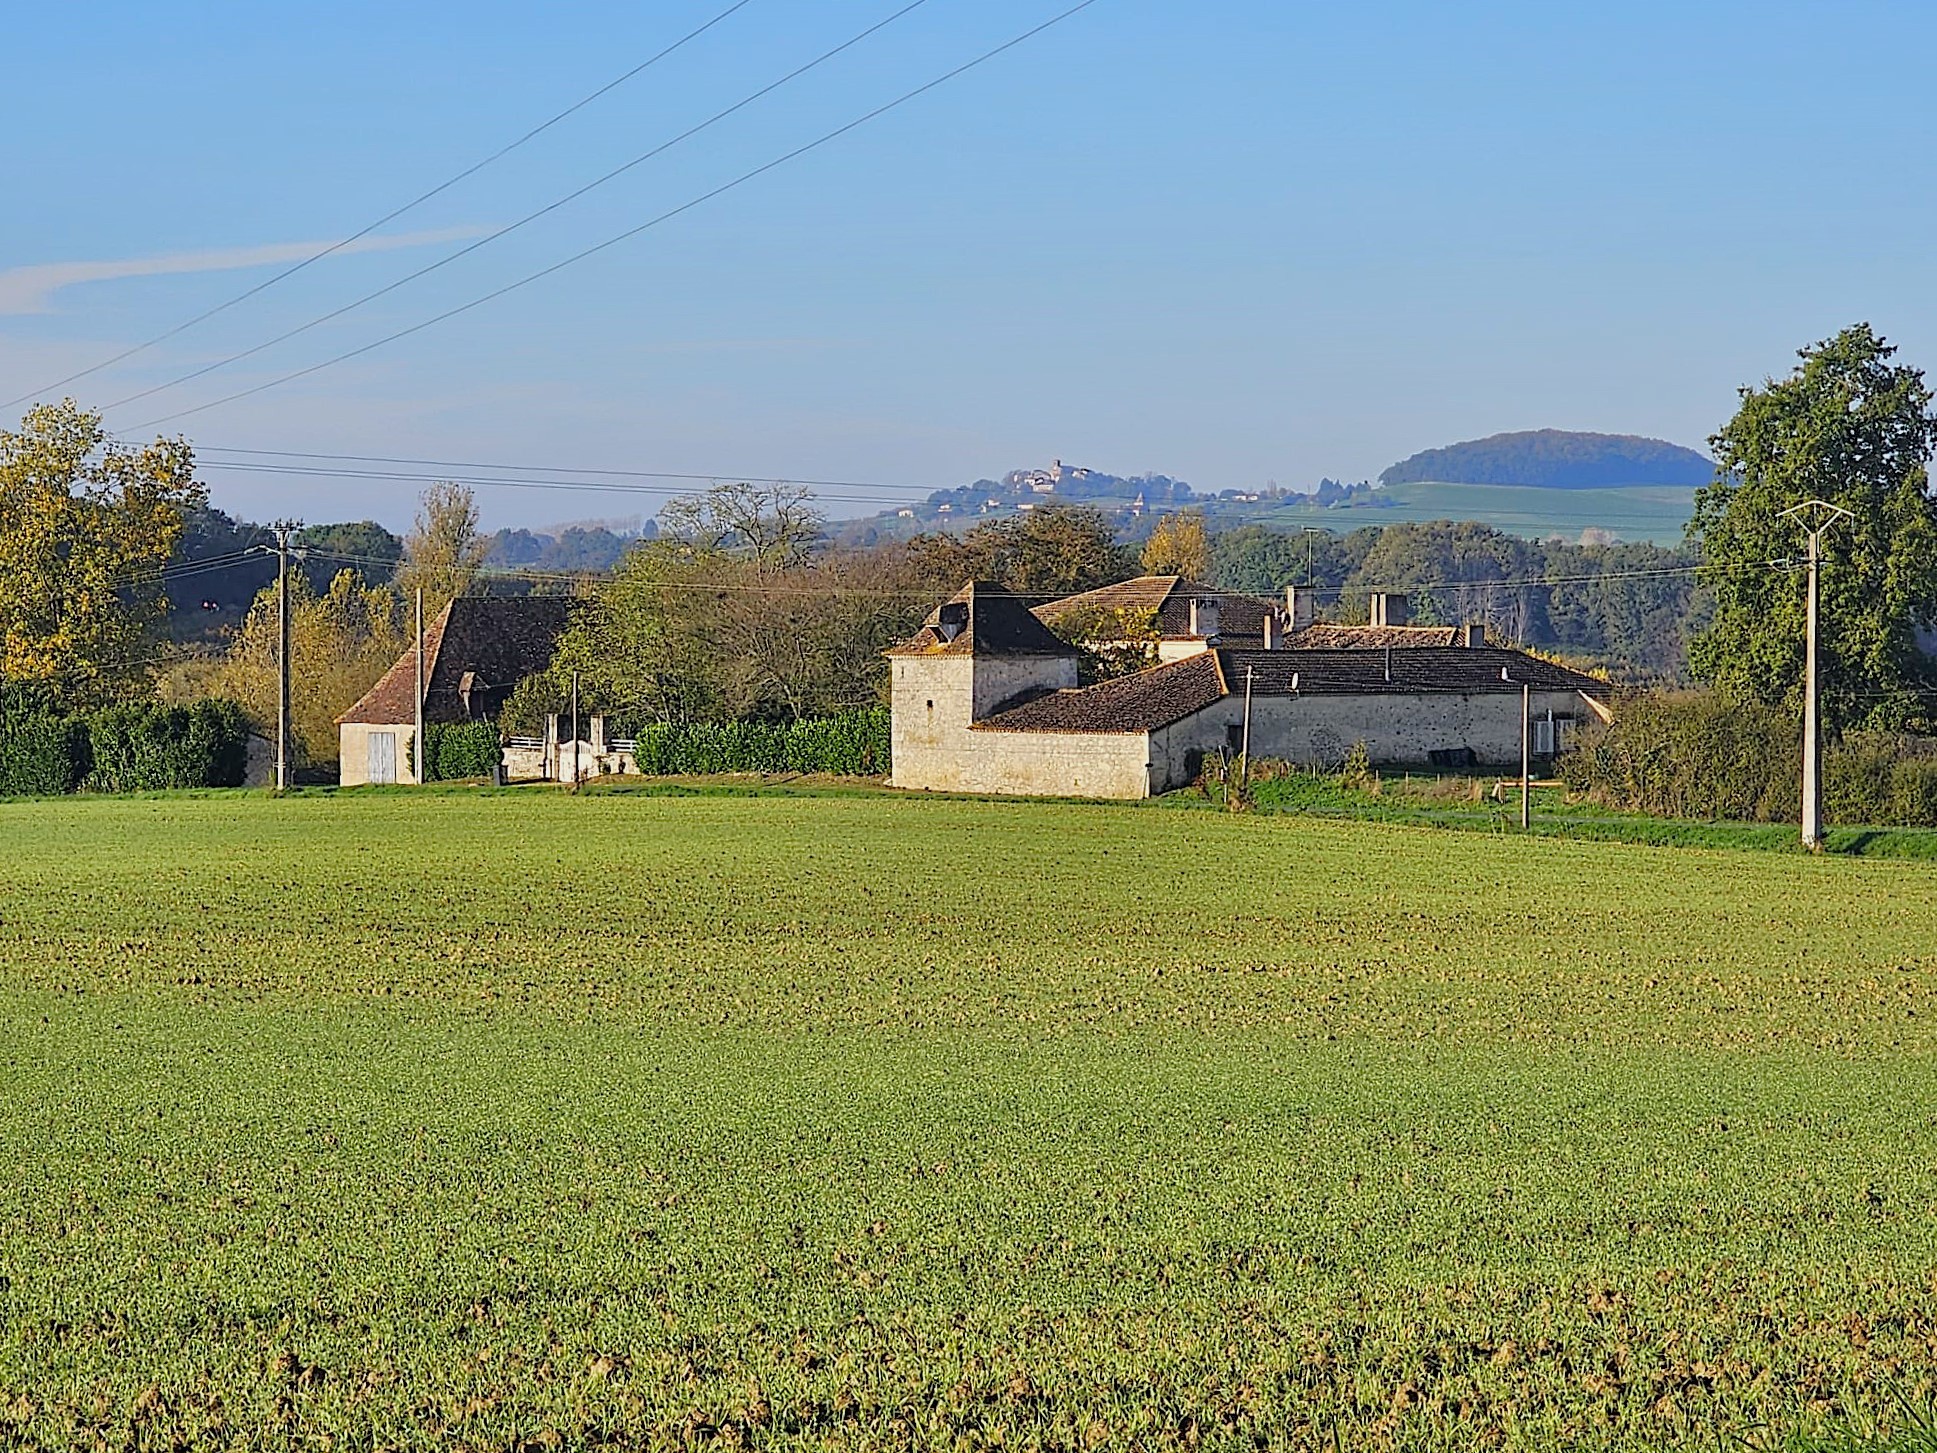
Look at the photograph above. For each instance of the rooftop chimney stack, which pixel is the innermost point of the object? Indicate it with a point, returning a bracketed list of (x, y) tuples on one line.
[(1273, 631), (1389, 608), (1298, 606), (1203, 617), (1475, 635)]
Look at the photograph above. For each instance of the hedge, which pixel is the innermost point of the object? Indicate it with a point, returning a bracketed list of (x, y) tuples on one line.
[(461, 749), (853, 744), (41, 755), (1699, 755), (128, 748), (148, 747)]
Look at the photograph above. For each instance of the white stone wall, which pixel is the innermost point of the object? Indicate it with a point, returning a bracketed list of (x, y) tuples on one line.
[(937, 698), (353, 751), (1398, 730)]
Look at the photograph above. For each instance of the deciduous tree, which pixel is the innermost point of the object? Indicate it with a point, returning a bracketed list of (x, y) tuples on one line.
[(1854, 428), (443, 552), (1179, 546), (86, 524)]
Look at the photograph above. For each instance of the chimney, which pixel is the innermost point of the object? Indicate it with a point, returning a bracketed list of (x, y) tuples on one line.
[(1298, 607), (1203, 617), (1273, 630), (1389, 608), (1475, 635)]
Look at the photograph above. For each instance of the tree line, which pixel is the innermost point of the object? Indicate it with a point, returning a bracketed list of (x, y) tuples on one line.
[(741, 607)]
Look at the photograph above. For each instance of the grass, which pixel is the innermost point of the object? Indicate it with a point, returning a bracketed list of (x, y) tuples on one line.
[(1632, 512), (1467, 803), (482, 1120)]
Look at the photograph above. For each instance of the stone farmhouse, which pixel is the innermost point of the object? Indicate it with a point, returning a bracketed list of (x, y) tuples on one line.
[(475, 651), (985, 699)]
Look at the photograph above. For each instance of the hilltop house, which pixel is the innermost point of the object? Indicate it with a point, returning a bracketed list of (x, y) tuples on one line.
[(985, 699), (475, 651)]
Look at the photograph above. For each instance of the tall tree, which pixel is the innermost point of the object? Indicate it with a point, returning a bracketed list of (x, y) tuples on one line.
[(443, 552), (86, 524), (1179, 546), (1851, 427), (341, 641), (1043, 553)]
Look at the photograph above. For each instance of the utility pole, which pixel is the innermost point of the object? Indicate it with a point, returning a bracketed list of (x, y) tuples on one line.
[(1820, 515), (417, 741), (282, 530), (1526, 750), (575, 731), (1244, 751), (1310, 530)]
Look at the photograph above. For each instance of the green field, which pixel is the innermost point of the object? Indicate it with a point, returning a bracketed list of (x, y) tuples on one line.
[(465, 1120), (1656, 512)]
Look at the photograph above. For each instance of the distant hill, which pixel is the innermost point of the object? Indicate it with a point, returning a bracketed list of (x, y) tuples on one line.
[(1556, 459)]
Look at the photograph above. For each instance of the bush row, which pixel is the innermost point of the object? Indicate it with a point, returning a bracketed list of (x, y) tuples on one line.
[(136, 747), (460, 749), (853, 744), (1699, 755)]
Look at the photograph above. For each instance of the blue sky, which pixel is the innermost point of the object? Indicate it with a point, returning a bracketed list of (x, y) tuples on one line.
[(1232, 242)]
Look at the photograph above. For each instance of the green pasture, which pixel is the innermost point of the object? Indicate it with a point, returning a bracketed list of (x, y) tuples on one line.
[(517, 1120), (1655, 512)]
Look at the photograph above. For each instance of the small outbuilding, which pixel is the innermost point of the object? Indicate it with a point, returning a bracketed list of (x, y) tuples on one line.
[(477, 649)]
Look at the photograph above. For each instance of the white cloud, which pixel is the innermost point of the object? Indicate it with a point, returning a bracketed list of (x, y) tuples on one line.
[(31, 289)]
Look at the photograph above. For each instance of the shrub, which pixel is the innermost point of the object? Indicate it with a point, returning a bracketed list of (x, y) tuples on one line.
[(145, 747), (1699, 755), (854, 744), (459, 749), (41, 754)]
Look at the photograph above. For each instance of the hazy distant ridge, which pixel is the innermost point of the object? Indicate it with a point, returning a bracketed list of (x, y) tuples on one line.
[(1556, 459)]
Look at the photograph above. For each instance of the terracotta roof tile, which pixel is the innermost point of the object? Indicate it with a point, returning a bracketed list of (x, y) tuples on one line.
[(1164, 694), (1322, 636), (1140, 703), (1240, 617)]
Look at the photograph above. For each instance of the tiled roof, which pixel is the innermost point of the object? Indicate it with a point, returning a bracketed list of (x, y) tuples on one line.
[(1140, 703), (1321, 636), (1468, 670), (1164, 694), (983, 619), (496, 640), (1169, 596)]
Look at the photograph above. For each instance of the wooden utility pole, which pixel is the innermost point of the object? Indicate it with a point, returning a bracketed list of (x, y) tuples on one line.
[(417, 741), (1820, 514), (282, 530), (575, 731)]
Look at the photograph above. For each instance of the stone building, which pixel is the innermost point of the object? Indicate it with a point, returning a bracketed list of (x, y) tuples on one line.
[(476, 650), (985, 699)]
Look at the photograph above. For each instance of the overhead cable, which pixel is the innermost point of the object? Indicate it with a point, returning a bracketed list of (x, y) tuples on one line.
[(387, 217), (666, 216), (527, 219)]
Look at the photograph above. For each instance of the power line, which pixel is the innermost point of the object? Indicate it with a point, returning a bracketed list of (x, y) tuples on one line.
[(650, 223), (531, 469), (528, 218), (390, 216)]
